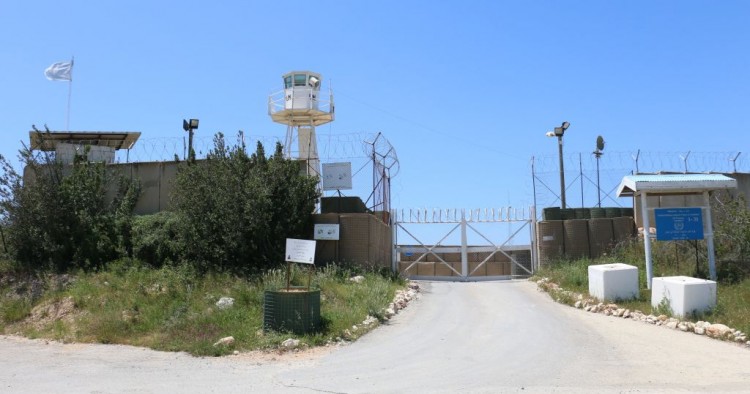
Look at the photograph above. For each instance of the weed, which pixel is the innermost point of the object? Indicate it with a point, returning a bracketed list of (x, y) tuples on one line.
[(14, 310)]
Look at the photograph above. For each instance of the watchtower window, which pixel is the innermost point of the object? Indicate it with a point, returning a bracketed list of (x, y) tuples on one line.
[(300, 80), (288, 82)]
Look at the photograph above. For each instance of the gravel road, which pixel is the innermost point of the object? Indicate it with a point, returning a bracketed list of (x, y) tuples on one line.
[(457, 337)]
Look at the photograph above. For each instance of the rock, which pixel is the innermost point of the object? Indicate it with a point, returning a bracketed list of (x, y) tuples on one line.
[(662, 317), (357, 279), (290, 343), (369, 320), (236, 352), (389, 313), (619, 312), (671, 324), (682, 326), (607, 312), (717, 330), (226, 341), (626, 314), (225, 303), (699, 330), (414, 286), (578, 304), (355, 328)]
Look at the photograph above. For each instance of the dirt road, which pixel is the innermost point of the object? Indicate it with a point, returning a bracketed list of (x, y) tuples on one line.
[(458, 337)]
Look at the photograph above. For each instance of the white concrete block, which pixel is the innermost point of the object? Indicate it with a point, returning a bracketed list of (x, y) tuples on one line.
[(684, 294), (613, 281)]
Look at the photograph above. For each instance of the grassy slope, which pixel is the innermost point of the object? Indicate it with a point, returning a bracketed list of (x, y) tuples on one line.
[(733, 297), (174, 309)]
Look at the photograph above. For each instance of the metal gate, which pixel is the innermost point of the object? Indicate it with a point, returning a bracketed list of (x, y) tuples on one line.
[(488, 260)]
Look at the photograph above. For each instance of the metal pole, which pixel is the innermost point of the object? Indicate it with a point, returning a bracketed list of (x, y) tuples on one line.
[(464, 253), (580, 174), (598, 186), (562, 171), (646, 239), (533, 179), (710, 238), (191, 154)]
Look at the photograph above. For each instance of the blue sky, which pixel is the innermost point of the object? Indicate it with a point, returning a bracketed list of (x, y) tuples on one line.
[(464, 91)]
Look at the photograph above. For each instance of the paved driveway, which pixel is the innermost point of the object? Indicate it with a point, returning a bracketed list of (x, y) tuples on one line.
[(458, 337)]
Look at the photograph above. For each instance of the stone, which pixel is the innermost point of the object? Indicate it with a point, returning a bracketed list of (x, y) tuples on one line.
[(290, 343), (389, 313), (357, 279), (236, 352), (699, 330), (682, 326), (717, 330), (671, 324), (577, 305), (226, 341), (225, 303), (370, 320)]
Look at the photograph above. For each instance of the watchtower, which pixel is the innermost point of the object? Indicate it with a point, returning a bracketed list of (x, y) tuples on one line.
[(301, 108)]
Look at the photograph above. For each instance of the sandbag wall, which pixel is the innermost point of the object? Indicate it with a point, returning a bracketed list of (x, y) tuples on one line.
[(363, 239), (582, 233)]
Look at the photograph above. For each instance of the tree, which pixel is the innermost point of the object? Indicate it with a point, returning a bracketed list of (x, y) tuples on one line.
[(60, 216), (237, 210)]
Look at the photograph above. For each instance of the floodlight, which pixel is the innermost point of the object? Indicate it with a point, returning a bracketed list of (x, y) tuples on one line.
[(565, 125), (314, 81), (193, 124)]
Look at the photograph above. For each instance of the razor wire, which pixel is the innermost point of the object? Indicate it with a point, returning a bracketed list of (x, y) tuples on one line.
[(580, 170), (364, 150)]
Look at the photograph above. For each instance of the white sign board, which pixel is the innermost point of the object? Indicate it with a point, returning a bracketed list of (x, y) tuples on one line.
[(300, 251), (327, 232), (337, 176)]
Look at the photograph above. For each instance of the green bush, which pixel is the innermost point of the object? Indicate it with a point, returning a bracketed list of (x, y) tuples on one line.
[(61, 217), (237, 210), (156, 238)]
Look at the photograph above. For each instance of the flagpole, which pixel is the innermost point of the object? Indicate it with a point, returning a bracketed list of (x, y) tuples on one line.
[(70, 91), (67, 115)]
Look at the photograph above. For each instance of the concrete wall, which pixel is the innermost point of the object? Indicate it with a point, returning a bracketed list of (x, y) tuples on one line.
[(156, 180)]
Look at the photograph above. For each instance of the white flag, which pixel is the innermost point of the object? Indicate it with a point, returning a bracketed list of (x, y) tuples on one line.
[(60, 71)]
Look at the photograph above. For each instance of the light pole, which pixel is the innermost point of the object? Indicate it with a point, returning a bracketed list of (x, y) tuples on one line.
[(559, 132), (598, 154), (189, 126)]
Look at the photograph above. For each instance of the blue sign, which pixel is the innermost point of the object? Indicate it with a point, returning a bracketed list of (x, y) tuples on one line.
[(678, 223)]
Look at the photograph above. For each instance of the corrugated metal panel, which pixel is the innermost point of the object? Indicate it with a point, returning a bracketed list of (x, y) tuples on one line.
[(673, 183)]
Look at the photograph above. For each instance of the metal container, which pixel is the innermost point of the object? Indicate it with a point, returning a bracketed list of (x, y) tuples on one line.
[(297, 310)]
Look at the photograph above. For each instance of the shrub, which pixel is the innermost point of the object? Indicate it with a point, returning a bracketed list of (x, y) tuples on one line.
[(61, 217), (156, 238), (237, 210)]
